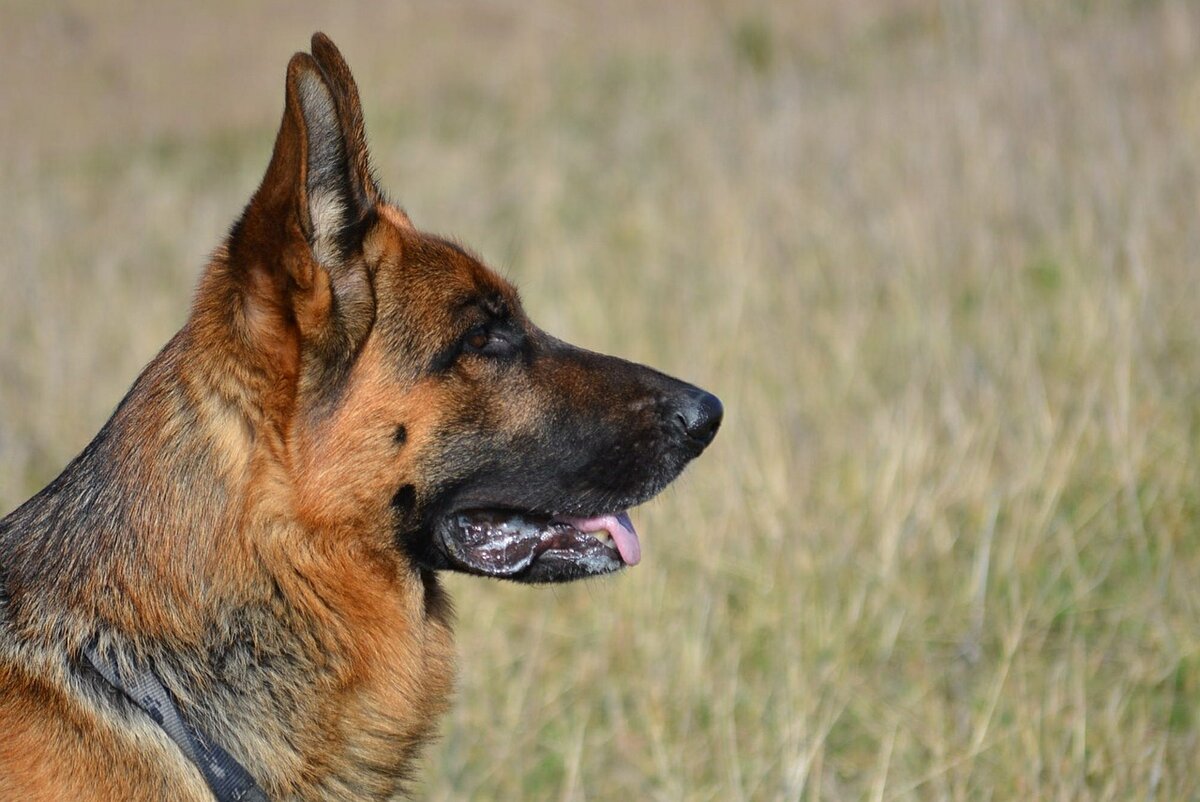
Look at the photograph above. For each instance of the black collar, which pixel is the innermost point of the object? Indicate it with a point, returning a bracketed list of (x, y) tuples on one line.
[(228, 779)]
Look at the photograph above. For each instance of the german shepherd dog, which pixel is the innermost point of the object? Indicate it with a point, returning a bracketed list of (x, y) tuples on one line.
[(233, 591)]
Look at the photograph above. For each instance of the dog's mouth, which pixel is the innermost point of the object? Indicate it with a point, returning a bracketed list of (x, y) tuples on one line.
[(530, 547)]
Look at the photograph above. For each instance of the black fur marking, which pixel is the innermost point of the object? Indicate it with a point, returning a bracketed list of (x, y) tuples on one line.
[(351, 235), (437, 602), (400, 436), (445, 358), (496, 306), (405, 499)]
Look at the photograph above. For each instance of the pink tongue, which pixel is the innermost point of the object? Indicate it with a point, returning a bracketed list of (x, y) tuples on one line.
[(621, 529)]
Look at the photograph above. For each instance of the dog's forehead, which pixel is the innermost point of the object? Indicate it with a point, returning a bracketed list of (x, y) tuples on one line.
[(437, 272), (430, 291)]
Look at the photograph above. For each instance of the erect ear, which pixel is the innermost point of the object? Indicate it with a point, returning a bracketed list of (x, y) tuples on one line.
[(299, 241), (345, 97)]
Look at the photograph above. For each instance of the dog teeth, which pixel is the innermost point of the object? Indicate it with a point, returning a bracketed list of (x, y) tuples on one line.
[(603, 536)]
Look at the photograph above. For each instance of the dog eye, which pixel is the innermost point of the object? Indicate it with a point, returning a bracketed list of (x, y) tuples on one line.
[(478, 339), (481, 340)]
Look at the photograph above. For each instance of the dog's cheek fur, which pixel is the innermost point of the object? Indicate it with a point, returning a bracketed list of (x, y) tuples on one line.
[(349, 464)]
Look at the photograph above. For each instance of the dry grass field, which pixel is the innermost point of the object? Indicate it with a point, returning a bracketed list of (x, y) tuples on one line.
[(941, 260)]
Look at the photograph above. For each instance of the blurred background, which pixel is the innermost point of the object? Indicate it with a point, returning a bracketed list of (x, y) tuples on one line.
[(941, 260)]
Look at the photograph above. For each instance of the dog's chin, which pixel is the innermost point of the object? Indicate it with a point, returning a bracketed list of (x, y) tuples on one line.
[(534, 548)]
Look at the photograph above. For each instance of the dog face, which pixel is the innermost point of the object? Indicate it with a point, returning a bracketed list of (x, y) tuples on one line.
[(417, 404)]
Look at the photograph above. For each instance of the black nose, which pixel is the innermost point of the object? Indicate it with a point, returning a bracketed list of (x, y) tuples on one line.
[(700, 413)]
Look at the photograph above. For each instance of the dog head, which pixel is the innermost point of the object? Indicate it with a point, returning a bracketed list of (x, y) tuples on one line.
[(405, 394)]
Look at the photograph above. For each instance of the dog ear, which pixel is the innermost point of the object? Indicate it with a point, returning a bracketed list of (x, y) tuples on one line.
[(345, 96), (312, 186), (297, 246)]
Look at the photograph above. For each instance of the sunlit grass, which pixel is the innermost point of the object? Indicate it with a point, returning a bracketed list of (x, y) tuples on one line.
[(942, 264)]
